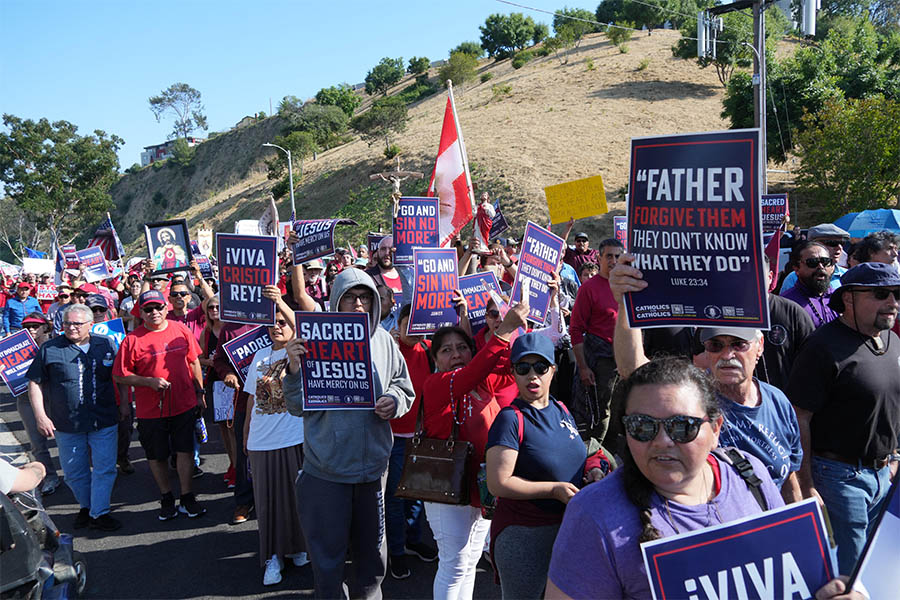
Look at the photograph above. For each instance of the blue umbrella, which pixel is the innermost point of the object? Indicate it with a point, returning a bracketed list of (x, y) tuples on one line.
[(863, 223)]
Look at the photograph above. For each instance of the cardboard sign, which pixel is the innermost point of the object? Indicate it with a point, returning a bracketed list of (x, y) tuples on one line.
[(247, 263), (576, 199), (477, 290), (774, 208), (620, 230), (538, 259), (316, 238), (94, 263), (113, 328), (46, 291), (415, 226), (782, 553), (499, 224), (337, 367), (17, 351), (436, 276), (241, 349), (223, 402), (694, 228)]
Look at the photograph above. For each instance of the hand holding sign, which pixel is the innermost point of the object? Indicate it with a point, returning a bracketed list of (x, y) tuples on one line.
[(385, 407), (625, 279), (516, 317), (296, 350)]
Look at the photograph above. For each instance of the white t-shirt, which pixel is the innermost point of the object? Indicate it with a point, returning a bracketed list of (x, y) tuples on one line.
[(272, 427), (8, 475)]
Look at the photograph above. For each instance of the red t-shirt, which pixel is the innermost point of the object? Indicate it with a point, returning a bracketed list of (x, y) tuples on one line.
[(193, 319), (595, 311), (167, 354), (392, 282)]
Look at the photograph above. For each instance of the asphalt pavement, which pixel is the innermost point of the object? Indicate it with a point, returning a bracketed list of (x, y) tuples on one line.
[(205, 557)]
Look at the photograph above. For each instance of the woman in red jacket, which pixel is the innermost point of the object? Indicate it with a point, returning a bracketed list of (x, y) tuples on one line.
[(463, 390)]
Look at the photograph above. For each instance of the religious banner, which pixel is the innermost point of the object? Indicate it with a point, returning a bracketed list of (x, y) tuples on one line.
[(538, 259), (114, 329), (17, 351), (373, 239), (337, 366), (240, 350), (46, 291), (477, 288), (576, 199), (247, 263), (694, 228), (620, 230), (94, 264), (205, 241), (774, 209), (499, 224), (316, 238), (436, 276), (781, 553), (415, 226), (169, 246)]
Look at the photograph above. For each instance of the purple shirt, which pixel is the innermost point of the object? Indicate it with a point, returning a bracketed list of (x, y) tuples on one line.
[(597, 555), (815, 306)]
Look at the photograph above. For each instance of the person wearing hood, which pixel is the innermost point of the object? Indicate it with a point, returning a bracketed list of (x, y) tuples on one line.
[(340, 490)]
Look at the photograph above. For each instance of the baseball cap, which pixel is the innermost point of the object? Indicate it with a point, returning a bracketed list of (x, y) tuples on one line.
[(511, 241), (95, 300), (23, 284), (158, 276), (151, 297), (35, 318), (826, 230), (314, 264), (87, 288), (741, 333), (870, 274), (581, 235), (532, 343)]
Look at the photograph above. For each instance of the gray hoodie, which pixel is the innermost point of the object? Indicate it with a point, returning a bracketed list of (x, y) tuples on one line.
[(353, 446)]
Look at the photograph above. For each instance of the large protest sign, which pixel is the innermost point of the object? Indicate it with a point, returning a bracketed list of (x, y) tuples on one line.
[(477, 290), (876, 572), (46, 291), (416, 225), (17, 351), (694, 228), (620, 230), (70, 252), (94, 264), (540, 255), (241, 349), (337, 366), (38, 266), (774, 209), (113, 328), (247, 263), (576, 199), (436, 276), (499, 224), (373, 239), (316, 238)]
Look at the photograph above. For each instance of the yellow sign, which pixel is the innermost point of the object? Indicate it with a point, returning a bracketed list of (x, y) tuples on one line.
[(576, 199)]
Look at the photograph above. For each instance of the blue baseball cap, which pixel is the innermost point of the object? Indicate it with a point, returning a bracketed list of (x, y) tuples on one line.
[(532, 343), (151, 297), (870, 274)]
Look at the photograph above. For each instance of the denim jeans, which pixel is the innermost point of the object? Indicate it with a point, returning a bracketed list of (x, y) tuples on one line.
[(89, 463), (853, 497), (403, 516)]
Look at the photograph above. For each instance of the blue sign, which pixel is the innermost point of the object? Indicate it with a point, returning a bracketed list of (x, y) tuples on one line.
[(241, 349), (17, 351), (247, 263), (477, 290), (620, 230), (499, 223), (694, 228), (774, 209), (540, 256), (373, 239), (782, 553), (316, 238), (436, 276), (94, 264), (113, 329), (416, 225), (337, 366)]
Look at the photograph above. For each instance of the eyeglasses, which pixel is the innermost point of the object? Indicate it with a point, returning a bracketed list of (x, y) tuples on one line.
[(32, 326), (881, 293), (681, 429), (524, 368), (62, 295), (182, 294), (494, 314), (831, 243), (74, 323), (98, 309), (813, 262), (366, 299), (715, 346), (150, 309), (280, 323)]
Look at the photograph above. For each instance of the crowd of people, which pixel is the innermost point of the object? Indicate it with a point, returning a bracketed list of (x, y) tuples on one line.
[(588, 437)]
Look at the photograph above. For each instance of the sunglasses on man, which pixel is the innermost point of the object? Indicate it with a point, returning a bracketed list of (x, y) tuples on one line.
[(681, 429), (715, 346), (881, 293), (813, 262)]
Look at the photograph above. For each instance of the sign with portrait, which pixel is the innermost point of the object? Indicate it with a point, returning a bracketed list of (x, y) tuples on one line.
[(169, 246)]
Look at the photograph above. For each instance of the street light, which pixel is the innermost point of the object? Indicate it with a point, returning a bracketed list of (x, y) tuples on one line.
[(290, 176)]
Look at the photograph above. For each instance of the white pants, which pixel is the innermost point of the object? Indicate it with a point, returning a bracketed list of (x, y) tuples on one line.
[(460, 532)]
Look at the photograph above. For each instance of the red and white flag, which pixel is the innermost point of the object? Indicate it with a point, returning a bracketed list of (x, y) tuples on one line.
[(450, 180)]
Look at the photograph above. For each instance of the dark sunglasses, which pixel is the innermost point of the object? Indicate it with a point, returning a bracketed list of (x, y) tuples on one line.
[(492, 313), (62, 295), (681, 429), (150, 309), (524, 368), (825, 261), (182, 294), (716, 346), (98, 309), (280, 323), (881, 293), (831, 243)]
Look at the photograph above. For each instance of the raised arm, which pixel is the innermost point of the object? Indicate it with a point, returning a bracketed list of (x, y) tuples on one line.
[(627, 342)]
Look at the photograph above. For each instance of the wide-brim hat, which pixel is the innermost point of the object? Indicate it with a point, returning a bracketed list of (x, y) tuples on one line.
[(870, 274)]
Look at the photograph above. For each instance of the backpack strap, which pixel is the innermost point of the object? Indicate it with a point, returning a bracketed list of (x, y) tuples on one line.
[(521, 420), (745, 469), (427, 355)]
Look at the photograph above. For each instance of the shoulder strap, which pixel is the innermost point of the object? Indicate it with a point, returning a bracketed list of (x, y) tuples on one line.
[(427, 355), (521, 420), (745, 469)]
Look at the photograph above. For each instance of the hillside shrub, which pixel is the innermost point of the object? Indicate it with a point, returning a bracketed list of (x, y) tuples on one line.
[(392, 151), (460, 68), (133, 168), (645, 62), (473, 48), (620, 36), (341, 96), (501, 91), (521, 58), (485, 77), (589, 64), (418, 64), (416, 91), (543, 51)]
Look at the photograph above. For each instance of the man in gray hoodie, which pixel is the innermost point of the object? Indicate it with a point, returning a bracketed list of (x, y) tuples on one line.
[(340, 492)]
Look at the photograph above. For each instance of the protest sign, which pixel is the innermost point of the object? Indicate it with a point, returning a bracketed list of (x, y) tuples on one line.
[(781, 553), (241, 349), (94, 264), (372, 241), (416, 225), (774, 208), (114, 328), (17, 351), (247, 263), (876, 572), (576, 199), (46, 291), (620, 230), (206, 270), (694, 228), (70, 254), (337, 366), (436, 276), (316, 238), (204, 241), (477, 290), (223, 402), (10, 270), (38, 266), (540, 255), (499, 224)]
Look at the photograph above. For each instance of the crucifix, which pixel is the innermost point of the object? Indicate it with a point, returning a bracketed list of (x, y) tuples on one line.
[(396, 178)]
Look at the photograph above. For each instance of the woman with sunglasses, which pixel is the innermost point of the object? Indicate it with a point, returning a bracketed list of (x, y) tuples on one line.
[(274, 444), (536, 462)]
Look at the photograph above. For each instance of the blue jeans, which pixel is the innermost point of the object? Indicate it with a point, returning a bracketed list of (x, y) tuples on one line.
[(402, 516), (89, 463), (853, 496)]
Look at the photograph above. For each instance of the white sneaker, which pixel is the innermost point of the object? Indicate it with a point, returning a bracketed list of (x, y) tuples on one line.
[(300, 559), (273, 571)]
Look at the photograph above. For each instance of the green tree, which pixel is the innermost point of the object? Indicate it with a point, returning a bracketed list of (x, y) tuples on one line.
[(473, 48), (60, 180), (621, 35), (387, 116), (504, 35), (383, 75), (302, 144), (610, 11), (850, 152), (325, 123), (288, 105), (541, 33), (731, 52), (418, 64), (459, 69), (182, 152), (184, 103), (341, 96), (578, 21)]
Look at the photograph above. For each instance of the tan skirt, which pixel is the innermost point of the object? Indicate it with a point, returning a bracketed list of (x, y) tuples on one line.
[(274, 474)]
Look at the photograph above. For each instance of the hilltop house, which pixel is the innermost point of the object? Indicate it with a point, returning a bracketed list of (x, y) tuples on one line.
[(151, 154)]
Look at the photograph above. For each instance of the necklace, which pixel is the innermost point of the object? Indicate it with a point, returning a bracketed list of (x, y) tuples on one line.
[(711, 507), (466, 402)]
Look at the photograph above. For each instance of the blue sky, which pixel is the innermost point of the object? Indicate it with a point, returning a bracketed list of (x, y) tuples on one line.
[(96, 62)]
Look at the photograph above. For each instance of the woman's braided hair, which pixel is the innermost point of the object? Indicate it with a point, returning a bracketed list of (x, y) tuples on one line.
[(660, 371)]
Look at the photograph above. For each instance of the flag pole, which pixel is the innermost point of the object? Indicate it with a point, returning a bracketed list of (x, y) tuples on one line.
[(462, 147)]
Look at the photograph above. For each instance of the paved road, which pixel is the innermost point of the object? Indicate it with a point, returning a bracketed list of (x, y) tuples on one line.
[(191, 558)]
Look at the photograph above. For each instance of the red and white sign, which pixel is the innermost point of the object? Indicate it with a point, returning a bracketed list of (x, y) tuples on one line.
[(46, 291)]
